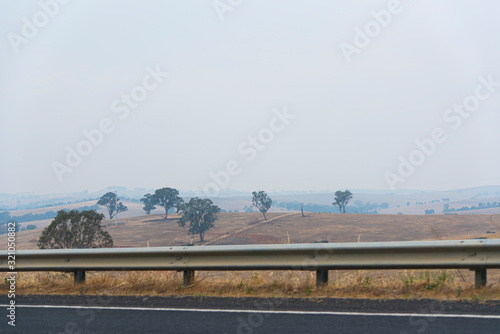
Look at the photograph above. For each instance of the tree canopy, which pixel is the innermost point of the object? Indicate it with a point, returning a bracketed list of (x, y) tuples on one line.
[(199, 214), (108, 200), (262, 201), (75, 229), (167, 198), (148, 203), (341, 199), (5, 219)]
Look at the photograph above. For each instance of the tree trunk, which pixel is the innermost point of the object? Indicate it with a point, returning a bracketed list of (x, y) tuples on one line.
[(202, 236), (264, 215), (166, 213)]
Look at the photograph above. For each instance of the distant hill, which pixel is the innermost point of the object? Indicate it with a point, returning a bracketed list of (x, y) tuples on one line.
[(402, 202)]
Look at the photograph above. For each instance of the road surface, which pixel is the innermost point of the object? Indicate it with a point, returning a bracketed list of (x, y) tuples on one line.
[(80, 314)]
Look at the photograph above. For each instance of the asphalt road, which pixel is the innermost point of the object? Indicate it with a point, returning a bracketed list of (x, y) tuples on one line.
[(249, 315)]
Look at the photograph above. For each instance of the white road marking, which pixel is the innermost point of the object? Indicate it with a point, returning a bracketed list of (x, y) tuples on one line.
[(419, 315)]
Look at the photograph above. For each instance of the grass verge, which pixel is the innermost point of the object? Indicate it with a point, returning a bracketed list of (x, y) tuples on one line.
[(411, 284)]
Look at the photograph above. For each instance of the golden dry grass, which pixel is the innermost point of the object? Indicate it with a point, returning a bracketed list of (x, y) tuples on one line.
[(414, 284), (373, 228)]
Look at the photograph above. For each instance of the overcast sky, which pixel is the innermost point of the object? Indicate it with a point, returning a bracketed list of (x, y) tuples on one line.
[(294, 95)]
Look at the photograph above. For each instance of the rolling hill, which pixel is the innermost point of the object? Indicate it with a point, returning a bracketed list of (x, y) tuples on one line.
[(249, 228)]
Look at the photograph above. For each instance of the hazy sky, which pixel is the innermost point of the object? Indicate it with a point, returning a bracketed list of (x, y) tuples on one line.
[(295, 95)]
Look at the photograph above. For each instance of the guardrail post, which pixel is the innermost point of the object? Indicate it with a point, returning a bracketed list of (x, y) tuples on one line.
[(188, 277), (480, 277), (321, 278), (79, 277)]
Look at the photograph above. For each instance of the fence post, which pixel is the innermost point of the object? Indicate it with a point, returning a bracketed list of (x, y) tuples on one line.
[(480, 277), (79, 277)]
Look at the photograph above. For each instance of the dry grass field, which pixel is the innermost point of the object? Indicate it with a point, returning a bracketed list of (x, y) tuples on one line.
[(293, 228), (249, 228), (156, 231)]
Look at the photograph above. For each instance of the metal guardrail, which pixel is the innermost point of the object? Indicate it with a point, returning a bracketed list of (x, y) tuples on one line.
[(476, 255)]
